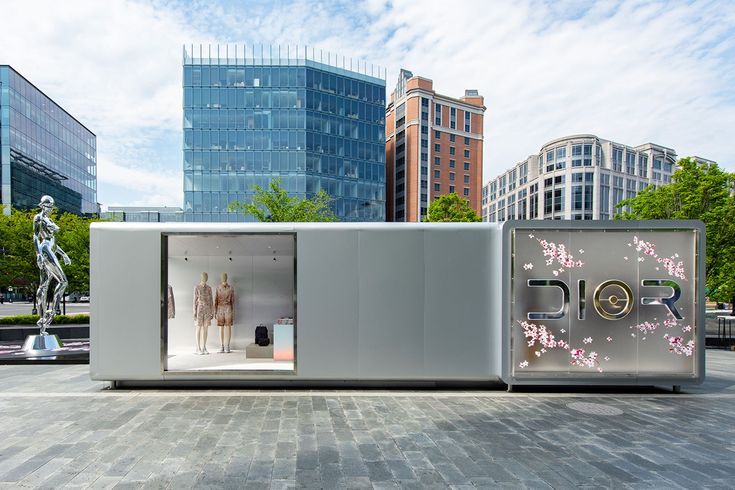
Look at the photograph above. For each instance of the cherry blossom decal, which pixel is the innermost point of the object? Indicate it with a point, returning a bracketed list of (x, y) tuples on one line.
[(677, 346), (646, 327), (580, 359), (673, 267), (559, 254)]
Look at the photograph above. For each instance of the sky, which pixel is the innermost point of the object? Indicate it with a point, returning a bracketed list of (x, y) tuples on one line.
[(628, 71)]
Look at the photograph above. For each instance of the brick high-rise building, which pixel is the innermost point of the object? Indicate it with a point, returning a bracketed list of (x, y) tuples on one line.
[(433, 147)]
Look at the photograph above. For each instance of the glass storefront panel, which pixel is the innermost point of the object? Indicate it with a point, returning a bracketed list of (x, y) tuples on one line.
[(229, 303)]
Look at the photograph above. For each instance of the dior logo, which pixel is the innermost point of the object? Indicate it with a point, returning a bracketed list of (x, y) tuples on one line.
[(612, 299)]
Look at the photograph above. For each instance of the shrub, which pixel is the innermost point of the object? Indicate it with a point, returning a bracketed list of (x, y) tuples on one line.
[(32, 319)]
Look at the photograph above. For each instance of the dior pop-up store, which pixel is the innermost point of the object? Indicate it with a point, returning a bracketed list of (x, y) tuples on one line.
[(523, 302)]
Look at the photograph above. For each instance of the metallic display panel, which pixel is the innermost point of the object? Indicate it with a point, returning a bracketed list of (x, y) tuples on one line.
[(605, 303)]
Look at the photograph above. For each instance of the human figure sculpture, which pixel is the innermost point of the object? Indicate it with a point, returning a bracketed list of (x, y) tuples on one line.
[(44, 231)]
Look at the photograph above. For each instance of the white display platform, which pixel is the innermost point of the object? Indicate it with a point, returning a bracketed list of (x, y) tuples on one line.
[(234, 361)]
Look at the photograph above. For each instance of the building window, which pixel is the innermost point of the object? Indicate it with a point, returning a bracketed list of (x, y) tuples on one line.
[(466, 179), (437, 135), (437, 161), (466, 140), (630, 162), (437, 147), (467, 121), (452, 150), (643, 166), (467, 153), (451, 176), (437, 174), (451, 188), (453, 118), (451, 163), (466, 165), (437, 187), (437, 114), (466, 191), (617, 159), (452, 138)]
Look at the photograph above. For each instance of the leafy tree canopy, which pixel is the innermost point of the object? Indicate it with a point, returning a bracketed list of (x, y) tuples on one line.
[(275, 205), (18, 258), (697, 191), (451, 208)]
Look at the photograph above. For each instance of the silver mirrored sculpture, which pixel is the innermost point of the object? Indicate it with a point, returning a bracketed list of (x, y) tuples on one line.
[(47, 259)]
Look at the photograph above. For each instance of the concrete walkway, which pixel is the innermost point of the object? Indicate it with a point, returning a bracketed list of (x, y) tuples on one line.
[(58, 428)]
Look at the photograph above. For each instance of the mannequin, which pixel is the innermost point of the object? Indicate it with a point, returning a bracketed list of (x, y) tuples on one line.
[(203, 313), (224, 307)]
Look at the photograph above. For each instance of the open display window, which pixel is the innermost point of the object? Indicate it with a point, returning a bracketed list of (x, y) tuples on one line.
[(229, 303)]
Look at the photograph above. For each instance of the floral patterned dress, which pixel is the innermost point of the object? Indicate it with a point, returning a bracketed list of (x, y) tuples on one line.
[(224, 304), (203, 305)]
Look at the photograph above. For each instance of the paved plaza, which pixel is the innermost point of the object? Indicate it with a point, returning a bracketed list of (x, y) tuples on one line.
[(59, 429)]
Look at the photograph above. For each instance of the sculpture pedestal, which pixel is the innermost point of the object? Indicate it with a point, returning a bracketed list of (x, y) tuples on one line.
[(42, 344)]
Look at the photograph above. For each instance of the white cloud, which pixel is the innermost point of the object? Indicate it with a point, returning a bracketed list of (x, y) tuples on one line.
[(633, 73), (115, 66), (629, 71)]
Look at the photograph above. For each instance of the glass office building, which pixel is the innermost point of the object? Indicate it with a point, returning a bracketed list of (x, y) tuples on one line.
[(305, 117), (43, 150)]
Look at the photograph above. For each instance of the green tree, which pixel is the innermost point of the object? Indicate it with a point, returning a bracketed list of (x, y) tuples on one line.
[(74, 240), (18, 257), (275, 205), (703, 192), (450, 207), (18, 262)]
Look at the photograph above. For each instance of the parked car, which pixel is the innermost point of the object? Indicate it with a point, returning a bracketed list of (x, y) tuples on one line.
[(72, 297), (84, 299)]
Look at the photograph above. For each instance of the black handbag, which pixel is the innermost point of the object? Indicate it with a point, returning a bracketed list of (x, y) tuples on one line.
[(261, 336)]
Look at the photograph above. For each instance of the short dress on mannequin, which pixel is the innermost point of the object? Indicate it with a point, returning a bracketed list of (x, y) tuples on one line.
[(224, 304), (203, 313), (224, 307)]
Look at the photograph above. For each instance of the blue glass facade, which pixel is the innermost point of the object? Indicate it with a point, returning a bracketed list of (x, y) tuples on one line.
[(43, 150), (314, 126)]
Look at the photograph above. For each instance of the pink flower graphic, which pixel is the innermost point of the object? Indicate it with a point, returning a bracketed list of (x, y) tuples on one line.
[(677, 345), (646, 327), (580, 359), (559, 253), (673, 267)]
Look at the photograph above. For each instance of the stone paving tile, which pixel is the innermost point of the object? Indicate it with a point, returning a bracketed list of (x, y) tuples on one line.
[(92, 438)]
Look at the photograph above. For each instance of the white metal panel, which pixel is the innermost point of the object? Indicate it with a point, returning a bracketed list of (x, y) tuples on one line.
[(125, 287), (457, 342), (326, 319), (391, 308)]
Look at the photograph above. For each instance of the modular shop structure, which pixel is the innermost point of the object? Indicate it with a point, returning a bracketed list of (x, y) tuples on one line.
[(523, 302)]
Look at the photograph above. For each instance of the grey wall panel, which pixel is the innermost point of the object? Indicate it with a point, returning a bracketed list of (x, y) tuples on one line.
[(457, 340), (391, 309), (125, 285), (327, 285)]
